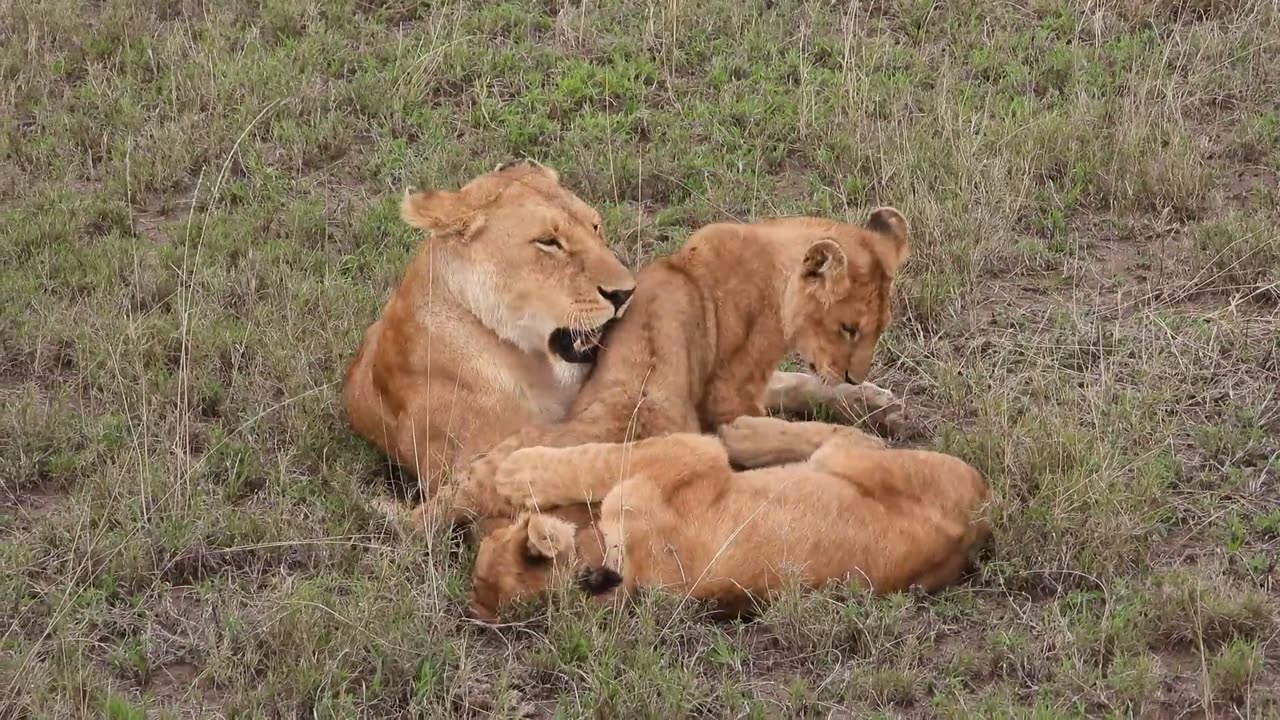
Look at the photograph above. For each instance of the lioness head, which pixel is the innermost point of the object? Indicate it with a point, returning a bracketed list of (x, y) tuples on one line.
[(527, 256), (836, 304), (519, 561)]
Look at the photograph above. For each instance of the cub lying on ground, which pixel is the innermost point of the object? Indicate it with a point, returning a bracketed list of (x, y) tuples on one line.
[(676, 516), (707, 326)]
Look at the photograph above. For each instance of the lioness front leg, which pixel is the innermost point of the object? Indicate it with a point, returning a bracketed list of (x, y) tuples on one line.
[(542, 477), (479, 493), (753, 442), (801, 393)]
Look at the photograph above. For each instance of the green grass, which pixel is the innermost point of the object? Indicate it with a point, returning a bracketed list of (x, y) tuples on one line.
[(198, 218)]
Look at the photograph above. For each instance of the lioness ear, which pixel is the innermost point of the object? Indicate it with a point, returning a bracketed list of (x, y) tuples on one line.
[(892, 227), (826, 269), (437, 210), (550, 537)]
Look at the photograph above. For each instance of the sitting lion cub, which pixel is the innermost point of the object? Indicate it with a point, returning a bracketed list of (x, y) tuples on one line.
[(708, 325), (676, 516)]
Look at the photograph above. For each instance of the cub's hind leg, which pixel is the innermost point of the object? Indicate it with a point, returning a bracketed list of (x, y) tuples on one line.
[(753, 442)]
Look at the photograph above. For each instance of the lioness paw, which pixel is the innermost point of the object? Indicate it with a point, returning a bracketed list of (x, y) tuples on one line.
[(484, 468), (521, 473)]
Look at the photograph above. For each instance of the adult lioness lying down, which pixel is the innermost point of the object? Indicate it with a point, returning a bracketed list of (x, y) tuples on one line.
[(677, 516), (708, 325), (490, 329)]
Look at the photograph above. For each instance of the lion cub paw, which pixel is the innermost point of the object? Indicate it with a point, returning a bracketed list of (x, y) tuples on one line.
[(871, 404)]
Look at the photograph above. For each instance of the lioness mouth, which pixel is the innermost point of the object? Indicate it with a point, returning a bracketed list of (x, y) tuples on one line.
[(577, 346)]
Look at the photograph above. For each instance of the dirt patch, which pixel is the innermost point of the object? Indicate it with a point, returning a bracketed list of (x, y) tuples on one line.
[(792, 181), (1134, 259), (1243, 186), (152, 224), (174, 678), (177, 687), (33, 503), (184, 603)]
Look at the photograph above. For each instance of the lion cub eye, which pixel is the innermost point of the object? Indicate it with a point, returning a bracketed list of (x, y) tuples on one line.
[(548, 243), (596, 228), (849, 331)]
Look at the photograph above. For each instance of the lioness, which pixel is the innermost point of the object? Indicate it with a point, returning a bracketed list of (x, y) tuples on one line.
[(677, 516), (491, 327), (709, 324)]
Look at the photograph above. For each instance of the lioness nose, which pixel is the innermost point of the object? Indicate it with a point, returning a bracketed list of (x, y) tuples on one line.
[(617, 298)]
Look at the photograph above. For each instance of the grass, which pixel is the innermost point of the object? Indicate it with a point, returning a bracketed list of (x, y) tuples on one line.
[(198, 219)]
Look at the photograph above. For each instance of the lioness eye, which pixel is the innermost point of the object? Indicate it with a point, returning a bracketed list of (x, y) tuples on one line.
[(848, 330), (548, 243), (596, 228)]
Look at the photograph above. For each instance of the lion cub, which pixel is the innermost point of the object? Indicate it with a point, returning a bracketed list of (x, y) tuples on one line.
[(708, 325), (676, 516)]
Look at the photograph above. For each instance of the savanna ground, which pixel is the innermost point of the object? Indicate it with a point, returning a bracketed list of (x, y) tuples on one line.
[(199, 217)]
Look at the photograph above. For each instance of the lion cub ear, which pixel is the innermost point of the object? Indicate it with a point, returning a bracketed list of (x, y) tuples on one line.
[(436, 210), (826, 270), (550, 537), (892, 227)]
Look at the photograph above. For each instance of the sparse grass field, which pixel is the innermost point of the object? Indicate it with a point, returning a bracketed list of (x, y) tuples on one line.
[(198, 217)]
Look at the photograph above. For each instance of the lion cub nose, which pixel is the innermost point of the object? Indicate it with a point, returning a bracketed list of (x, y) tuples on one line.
[(617, 298)]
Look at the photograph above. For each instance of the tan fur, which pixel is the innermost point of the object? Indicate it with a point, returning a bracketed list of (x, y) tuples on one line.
[(460, 358), (709, 324), (676, 516), (530, 550)]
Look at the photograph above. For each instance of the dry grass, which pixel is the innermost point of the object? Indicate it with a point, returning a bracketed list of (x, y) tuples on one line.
[(198, 219)]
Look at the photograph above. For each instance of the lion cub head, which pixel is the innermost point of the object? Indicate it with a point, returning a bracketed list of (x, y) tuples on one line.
[(836, 303), (527, 256), (520, 561)]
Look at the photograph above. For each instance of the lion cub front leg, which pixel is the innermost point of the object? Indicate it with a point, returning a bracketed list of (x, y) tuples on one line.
[(801, 393), (753, 442), (543, 477)]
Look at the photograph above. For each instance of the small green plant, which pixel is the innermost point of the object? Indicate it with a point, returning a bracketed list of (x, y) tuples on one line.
[(1234, 669)]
